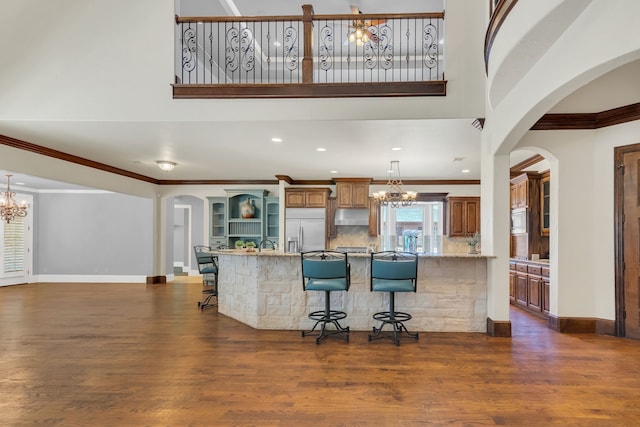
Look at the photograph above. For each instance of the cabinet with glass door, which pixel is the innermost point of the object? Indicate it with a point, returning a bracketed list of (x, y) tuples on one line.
[(272, 226), (217, 222)]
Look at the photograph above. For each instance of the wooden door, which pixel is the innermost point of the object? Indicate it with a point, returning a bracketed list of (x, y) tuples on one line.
[(631, 244)]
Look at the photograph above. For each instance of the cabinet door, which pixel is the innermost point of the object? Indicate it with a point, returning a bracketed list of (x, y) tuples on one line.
[(360, 195), (344, 194), (316, 199), (545, 295), (218, 218), (534, 285), (521, 289), (464, 216), (374, 224), (522, 194), (545, 197), (332, 230), (512, 286), (514, 196), (294, 198)]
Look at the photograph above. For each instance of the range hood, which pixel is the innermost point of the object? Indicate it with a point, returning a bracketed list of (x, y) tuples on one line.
[(352, 217)]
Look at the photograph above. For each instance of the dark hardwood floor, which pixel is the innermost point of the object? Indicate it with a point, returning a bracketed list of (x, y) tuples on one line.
[(144, 355)]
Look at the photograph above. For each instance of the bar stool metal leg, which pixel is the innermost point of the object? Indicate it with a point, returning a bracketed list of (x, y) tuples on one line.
[(394, 318), (324, 317)]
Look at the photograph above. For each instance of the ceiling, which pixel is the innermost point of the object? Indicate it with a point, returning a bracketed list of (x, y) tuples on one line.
[(438, 149)]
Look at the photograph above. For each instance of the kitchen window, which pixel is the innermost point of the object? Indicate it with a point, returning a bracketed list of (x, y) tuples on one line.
[(417, 228)]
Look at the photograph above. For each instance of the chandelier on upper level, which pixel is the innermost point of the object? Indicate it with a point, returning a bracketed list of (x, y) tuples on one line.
[(9, 208), (394, 195)]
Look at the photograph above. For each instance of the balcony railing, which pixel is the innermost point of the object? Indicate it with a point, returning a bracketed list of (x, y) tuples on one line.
[(310, 55)]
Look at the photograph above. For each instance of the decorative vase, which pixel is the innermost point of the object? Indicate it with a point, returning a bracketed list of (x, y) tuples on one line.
[(247, 209)]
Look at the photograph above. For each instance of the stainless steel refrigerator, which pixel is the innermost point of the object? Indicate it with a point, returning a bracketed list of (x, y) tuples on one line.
[(305, 229)]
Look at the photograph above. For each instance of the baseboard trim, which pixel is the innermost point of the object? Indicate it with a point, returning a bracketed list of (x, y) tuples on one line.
[(499, 328), (572, 325), (153, 280), (68, 278), (606, 327)]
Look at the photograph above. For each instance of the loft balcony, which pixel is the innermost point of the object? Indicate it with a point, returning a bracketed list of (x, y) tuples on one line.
[(363, 55)]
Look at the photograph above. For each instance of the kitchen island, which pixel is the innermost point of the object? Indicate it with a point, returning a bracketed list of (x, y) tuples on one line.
[(264, 290)]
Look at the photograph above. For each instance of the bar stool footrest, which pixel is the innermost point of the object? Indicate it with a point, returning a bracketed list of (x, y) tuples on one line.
[(322, 318), (396, 319)]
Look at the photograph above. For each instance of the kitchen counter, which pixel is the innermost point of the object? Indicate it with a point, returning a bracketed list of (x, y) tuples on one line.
[(264, 290)]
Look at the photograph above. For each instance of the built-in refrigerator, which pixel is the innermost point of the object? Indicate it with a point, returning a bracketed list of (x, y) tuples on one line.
[(305, 229)]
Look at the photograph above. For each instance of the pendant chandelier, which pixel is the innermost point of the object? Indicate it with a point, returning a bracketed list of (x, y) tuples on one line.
[(9, 208), (394, 195)]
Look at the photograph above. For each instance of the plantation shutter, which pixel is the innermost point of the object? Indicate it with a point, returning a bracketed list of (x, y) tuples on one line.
[(14, 246)]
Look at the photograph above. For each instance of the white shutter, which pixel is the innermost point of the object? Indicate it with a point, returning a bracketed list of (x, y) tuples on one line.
[(14, 246)]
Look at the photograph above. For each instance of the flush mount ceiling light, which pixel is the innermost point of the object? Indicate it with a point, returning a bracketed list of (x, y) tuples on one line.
[(9, 208), (166, 165), (395, 196)]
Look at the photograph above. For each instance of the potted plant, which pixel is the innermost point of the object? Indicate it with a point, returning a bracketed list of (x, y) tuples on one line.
[(250, 245), (240, 244), (472, 242)]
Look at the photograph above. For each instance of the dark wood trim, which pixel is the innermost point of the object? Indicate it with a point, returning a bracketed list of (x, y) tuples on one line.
[(574, 121), (310, 90), (336, 17), (572, 325), (366, 180), (503, 8), (618, 212), (518, 167), (153, 280), (49, 152), (217, 181), (430, 181), (605, 327), (501, 328), (285, 178)]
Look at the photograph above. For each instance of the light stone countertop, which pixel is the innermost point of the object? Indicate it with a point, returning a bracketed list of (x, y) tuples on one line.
[(272, 253)]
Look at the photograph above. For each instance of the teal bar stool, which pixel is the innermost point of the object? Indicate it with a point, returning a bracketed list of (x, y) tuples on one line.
[(208, 267), (326, 271), (393, 272)]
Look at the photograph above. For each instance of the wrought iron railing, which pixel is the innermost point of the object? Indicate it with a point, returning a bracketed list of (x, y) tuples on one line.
[(310, 49)]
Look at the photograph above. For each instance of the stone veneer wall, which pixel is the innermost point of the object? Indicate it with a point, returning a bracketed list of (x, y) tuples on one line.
[(265, 292)]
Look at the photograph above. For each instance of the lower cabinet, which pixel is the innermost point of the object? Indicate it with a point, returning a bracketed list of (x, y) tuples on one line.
[(529, 286)]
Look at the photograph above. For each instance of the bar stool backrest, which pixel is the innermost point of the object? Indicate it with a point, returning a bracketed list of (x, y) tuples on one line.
[(390, 265), (324, 265)]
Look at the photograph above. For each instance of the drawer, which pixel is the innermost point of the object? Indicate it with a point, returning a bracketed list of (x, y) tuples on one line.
[(521, 267), (512, 266), (534, 269), (545, 271)]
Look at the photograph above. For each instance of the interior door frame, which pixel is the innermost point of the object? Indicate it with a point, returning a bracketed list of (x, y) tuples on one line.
[(618, 195)]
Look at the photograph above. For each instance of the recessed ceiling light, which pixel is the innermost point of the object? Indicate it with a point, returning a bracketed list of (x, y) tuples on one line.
[(19, 183), (465, 171), (321, 149), (334, 172), (276, 139), (396, 149), (166, 165), (458, 159)]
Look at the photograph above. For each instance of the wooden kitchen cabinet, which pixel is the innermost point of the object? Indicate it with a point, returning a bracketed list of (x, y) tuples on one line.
[(352, 192), (306, 197), (464, 216), (529, 286), (520, 191), (332, 229), (545, 199), (374, 224)]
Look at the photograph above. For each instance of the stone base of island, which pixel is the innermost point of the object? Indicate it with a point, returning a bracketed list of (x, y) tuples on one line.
[(264, 290)]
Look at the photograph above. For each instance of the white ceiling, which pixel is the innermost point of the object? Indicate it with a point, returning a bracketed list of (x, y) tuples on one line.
[(430, 148)]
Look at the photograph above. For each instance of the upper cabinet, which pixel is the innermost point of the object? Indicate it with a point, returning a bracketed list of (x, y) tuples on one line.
[(520, 191), (545, 191), (352, 192), (374, 224), (217, 222), (306, 197), (464, 216)]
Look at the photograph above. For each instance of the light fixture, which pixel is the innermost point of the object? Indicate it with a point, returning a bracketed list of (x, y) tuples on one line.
[(395, 196), (359, 33), (166, 165), (9, 208)]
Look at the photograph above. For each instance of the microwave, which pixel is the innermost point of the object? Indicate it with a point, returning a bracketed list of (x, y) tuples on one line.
[(519, 221)]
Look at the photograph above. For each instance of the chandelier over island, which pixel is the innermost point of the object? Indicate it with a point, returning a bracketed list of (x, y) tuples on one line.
[(9, 208), (394, 195)]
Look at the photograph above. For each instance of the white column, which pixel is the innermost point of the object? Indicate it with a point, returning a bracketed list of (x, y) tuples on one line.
[(494, 201)]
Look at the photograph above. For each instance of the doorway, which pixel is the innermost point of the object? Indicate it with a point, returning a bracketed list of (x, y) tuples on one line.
[(627, 240), (16, 247), (182, 240)]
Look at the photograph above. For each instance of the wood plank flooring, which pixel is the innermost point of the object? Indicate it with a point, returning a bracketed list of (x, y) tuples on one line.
[(144, 355)]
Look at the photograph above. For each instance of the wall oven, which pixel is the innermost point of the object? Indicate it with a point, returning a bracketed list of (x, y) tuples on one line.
[(519, 221)]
